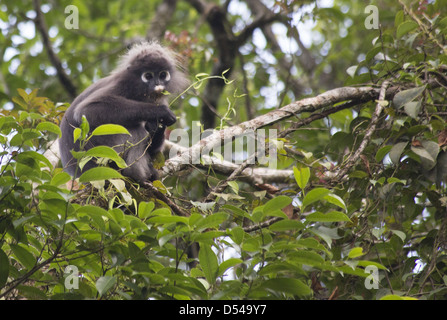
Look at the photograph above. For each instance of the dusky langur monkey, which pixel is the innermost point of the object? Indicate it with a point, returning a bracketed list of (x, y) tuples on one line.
[(133, 96)]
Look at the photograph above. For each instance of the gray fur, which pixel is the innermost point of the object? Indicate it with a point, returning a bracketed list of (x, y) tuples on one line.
[(124, 98)]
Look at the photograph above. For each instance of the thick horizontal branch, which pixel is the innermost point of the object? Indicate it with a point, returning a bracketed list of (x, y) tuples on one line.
[(251, 175), (184, 158)]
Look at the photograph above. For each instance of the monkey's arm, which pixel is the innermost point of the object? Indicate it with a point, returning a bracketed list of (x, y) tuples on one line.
[(122, 111)]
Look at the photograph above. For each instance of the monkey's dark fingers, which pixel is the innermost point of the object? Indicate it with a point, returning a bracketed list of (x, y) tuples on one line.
[(168, 121)]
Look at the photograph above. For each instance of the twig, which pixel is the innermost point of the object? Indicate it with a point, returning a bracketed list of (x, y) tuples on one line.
[(334, 294), (223, 184), (369, 132), (432, 265), (316, 116), (423, 27), (177, 210), (262, 225)]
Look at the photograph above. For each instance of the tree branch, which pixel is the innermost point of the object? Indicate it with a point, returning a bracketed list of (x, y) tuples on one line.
[(369, 132), (228, 47), (352, 95), (253, 176), (159, 195), (66, 82), (259, 9), (161, 19), (216, 139)]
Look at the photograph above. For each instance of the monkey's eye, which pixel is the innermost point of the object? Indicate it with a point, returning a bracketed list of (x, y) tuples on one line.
[(146, 76), (164, 75)]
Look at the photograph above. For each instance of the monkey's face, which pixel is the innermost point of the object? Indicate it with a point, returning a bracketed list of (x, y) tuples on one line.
[(151, 78), (157, 83)]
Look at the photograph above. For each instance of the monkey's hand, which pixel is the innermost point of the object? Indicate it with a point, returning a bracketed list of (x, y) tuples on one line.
[(166, 116)]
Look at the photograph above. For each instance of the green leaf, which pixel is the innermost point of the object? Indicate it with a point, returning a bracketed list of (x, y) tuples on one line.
[(234, 186), (224, 266), (287, 285), (100, 173), (399, 18), (301, 176), (327, 234), (396, 297), (4, 268), (168, 219), (237, 234), (93, 210), (84, 127), (315, 195), (236, 211), (106, 152), (400, 234), (106, 129), (49, 126), (276, 203), (428, 153), (412, 108), (365, 263), (20, 221), (31, 293), (355, 252), (358, 174), (333, 216), (212, 221), (307, 257), (405, 27), (382, 152), (251, 245), (60, 178), (96, 215), (208, 235), (25, 156), (396, 151), (25, 257), (104, 284), (335, 199), (76, 134), (395, 180), (405, 96), (145, 209), (161, 212), (208, 262), (286, 224), (351, 71)]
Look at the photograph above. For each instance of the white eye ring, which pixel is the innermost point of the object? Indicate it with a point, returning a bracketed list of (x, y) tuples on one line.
[(146, 76), (164, 75)]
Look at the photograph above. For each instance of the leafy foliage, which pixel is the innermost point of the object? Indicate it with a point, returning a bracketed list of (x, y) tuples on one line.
[(378, 232)]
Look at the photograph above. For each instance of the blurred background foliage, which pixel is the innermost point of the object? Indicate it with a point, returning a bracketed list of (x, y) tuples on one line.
[(393, 201)]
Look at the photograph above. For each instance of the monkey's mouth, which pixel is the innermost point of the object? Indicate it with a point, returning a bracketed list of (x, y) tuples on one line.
[(154, 97), (157, 94)]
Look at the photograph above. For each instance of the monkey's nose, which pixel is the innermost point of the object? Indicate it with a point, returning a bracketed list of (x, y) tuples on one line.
[(159, 88)]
